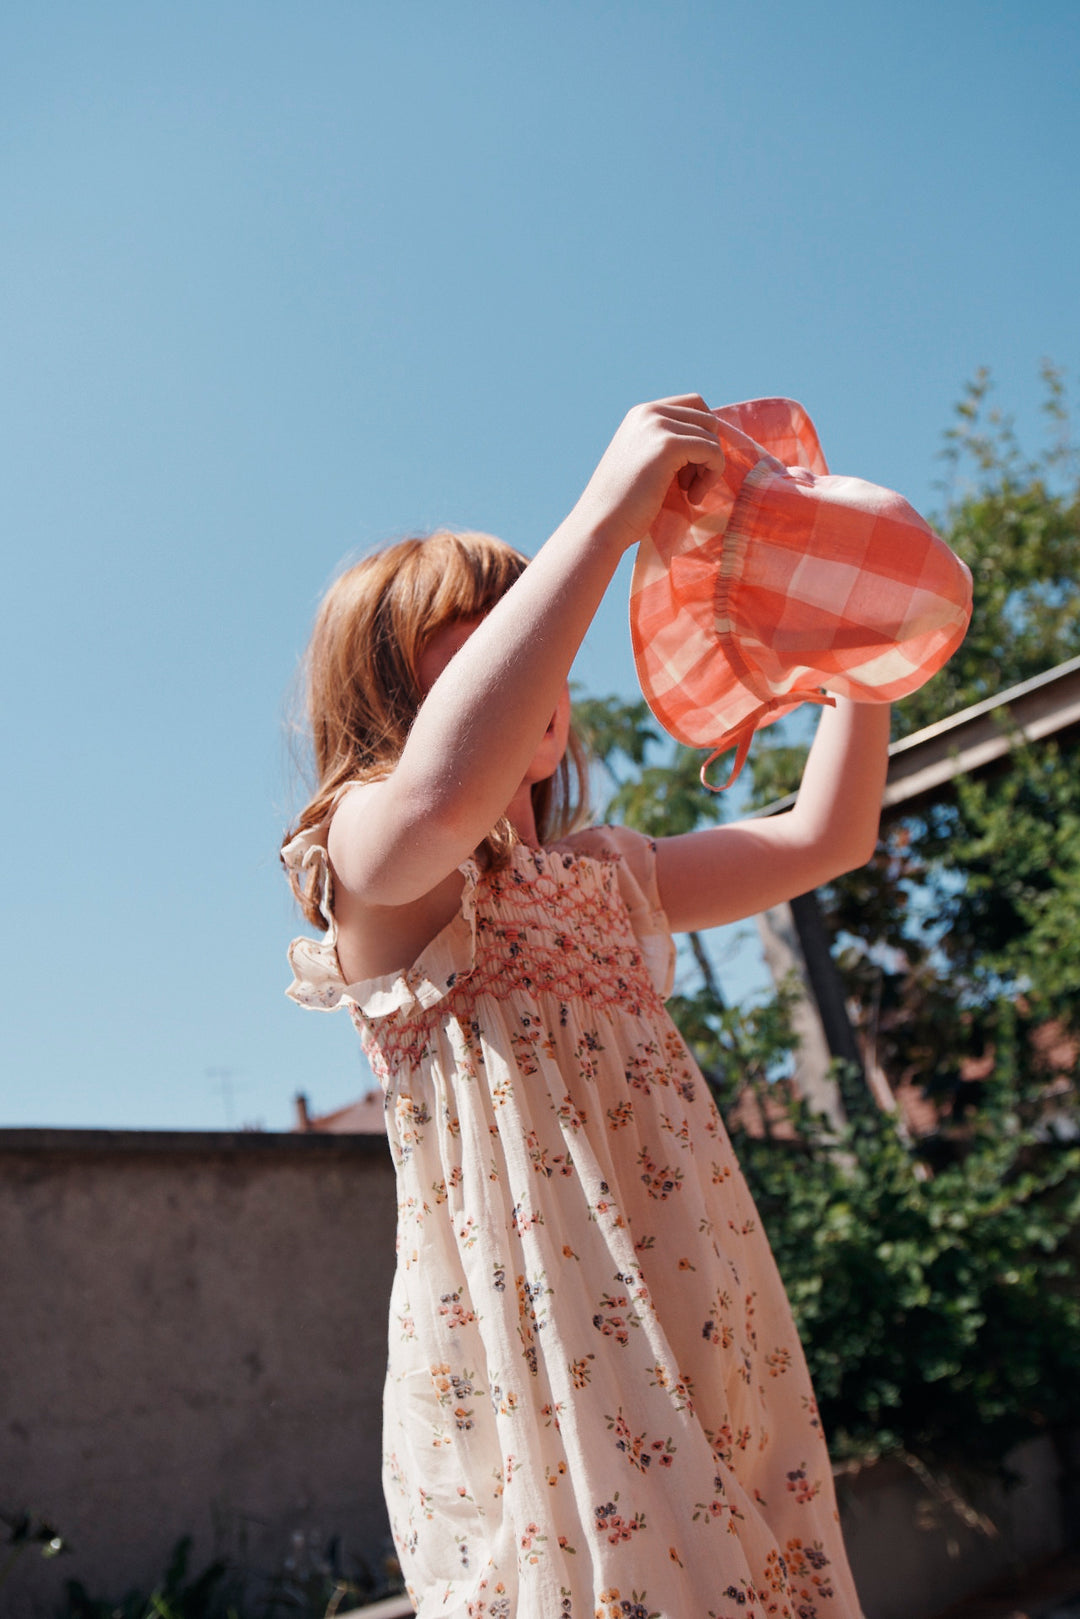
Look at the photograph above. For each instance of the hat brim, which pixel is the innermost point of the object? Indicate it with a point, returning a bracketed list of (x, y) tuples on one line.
[(784, 582)]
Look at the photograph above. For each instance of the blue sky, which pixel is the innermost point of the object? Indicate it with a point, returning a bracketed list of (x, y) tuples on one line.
[(281, 281)]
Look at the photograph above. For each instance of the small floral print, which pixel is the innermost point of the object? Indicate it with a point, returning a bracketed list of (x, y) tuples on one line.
[(801, 1487), (718, 1333), (620, 1115), (809, 1405), (614, 1318), (454, 1393), (497, 1608), (775, 1572), (410, 1117), (751, 1331), (686, 1087), (681, 1131), (580, 1371), (454, 1312), (680, 1388), (718, 1507), (525, 1045), (502, 1092), (640, 1452), (568, 1113), (610, 1522), (615, 1606), (778, 1362), (586, 1052), (721, 1443), (802, 1559), (532, 1544), (544, 1161), (639, 1070), (743, 1597), (522, 1220), (660, 1180), (603, 1206), (530, 1295)]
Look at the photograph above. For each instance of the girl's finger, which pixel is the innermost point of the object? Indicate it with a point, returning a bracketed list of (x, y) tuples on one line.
[(701, 427), (690, 414), (694, 401), (701, 481)]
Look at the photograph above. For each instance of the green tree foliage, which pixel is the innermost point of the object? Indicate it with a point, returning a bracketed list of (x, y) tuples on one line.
[(971, 903), (935, 1280)]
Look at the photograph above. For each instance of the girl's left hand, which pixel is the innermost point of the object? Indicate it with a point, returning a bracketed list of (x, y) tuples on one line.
[(655, 444)]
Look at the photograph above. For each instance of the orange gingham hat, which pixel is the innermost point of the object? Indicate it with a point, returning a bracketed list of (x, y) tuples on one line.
[(783, 581)]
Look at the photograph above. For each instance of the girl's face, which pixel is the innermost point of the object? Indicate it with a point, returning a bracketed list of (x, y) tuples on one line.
[(437, 654)]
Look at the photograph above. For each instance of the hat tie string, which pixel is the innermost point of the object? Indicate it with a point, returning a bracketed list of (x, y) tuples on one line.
[(741, 738)]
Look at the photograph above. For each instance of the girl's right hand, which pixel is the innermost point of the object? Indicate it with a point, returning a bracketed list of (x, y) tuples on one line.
[(655, 443)]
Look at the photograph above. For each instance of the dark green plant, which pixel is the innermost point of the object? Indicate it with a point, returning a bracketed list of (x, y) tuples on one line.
[(940, 1312), (212, 1594), (308, 1586), (24, 1530)]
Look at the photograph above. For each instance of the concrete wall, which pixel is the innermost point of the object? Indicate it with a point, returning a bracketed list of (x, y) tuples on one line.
[(191, 1327), (192, 1332), (918, 1544)]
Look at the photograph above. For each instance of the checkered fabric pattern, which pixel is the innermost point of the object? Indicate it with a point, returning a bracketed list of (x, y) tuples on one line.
[(786, 584)]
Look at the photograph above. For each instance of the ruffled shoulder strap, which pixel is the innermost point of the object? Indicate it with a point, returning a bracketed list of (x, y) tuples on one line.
[(314, 961)]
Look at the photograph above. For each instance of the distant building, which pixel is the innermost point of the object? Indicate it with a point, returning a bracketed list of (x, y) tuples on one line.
[(363, 1117)]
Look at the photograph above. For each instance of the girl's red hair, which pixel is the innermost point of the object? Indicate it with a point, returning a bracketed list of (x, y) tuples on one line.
[(363, 690)]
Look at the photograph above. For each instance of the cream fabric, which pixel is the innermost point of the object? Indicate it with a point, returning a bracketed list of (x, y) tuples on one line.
[(596, 1403)]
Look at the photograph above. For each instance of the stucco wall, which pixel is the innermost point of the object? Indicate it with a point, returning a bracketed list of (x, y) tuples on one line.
[(191, 1326)]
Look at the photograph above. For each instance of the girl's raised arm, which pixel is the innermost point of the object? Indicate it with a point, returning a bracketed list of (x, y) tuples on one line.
[(724, 873), (485, 716)]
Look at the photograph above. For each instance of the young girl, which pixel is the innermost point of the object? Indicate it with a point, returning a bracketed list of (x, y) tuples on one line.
[(596, 1402)]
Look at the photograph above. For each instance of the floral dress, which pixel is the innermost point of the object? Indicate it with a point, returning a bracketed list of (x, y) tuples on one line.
[(596, 1401)]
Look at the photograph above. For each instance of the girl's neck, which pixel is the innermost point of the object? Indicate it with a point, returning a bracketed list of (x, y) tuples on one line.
[(520, 815)]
